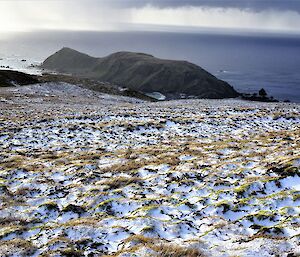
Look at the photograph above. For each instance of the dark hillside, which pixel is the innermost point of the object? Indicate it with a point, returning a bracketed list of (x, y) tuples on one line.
[(10, 78), (142, 72)]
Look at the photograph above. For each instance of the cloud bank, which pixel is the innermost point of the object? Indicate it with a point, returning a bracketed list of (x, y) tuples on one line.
[(219, 17), (27, 15)]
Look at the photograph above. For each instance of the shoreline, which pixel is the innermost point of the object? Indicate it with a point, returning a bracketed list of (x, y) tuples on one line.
[(105, 87)]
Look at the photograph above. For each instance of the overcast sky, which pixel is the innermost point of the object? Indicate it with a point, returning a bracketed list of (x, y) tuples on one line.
[(109, 15)]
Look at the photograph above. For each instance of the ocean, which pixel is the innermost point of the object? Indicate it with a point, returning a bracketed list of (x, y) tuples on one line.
[(248, 62)]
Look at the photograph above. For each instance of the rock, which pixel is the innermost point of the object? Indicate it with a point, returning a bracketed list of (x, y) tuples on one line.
[(258, 98), (262, 92), (142, 72)]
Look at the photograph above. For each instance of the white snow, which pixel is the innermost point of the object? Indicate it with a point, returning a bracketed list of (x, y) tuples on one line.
[(194, 172)]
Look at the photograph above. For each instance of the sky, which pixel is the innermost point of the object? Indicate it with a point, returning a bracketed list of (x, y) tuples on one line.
[(166, 15)]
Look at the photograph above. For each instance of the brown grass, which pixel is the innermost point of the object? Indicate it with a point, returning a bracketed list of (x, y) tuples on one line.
[(25, 248), (128, 166), (159, 248), (82, 222), (22, 191), (71, 252), (119, 182), (14, 221), (168, 250), (12, 162)]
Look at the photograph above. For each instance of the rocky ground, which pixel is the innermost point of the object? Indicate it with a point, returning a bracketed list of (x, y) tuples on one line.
[(87, 174)]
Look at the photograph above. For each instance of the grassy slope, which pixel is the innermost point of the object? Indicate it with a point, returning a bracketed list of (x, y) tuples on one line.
[(218, 178)]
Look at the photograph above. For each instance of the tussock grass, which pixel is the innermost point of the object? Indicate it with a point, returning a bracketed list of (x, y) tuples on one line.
[(119, 182), (82, 222), (71, 252), (14, 162), (167, 250), (17, 247), (22, 191), (162, 249)]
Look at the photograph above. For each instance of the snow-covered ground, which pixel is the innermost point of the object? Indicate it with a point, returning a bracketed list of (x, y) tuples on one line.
[(87, 174)]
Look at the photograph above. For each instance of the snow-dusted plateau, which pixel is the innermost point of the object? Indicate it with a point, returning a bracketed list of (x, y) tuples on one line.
[(88, 174)]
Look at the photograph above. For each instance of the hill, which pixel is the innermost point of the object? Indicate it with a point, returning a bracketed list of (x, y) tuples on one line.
[(142, 72), (10, 78)]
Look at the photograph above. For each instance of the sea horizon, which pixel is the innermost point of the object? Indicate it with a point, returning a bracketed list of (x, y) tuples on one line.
[(248, 62)]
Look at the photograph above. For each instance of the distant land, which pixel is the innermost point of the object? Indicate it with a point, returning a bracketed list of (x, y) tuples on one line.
[(246, 62), (142, 72)]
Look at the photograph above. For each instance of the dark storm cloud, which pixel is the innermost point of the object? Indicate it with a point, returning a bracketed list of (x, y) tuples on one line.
[(165, 15)]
